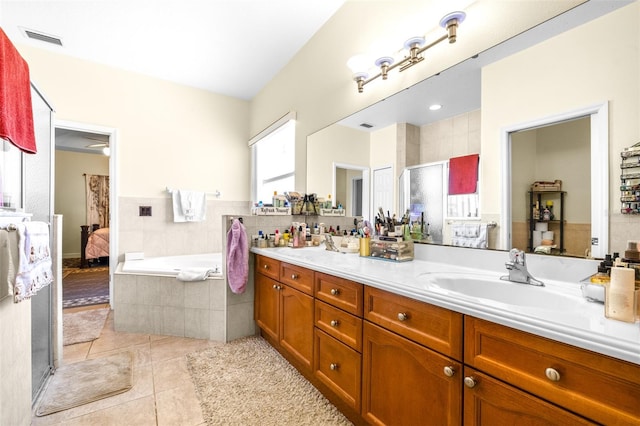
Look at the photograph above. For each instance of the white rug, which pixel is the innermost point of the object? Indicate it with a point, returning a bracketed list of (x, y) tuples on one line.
[(83, 326), (247, 382)]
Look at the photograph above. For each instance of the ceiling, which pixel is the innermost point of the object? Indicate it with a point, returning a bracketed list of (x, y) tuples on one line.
[(185, 41)]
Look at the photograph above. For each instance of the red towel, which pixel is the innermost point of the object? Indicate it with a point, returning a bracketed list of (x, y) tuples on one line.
[(16, 114), (463, 174)]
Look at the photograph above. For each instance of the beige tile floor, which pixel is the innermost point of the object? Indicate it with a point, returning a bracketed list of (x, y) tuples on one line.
[(162, 392)]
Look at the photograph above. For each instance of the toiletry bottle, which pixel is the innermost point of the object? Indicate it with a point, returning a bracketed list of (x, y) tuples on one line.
[(601, 277), (296, 238), (328, 203), (276, 238), (619, 299)]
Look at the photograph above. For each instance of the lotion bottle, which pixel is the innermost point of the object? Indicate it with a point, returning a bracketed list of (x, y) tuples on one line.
[(620, 300)]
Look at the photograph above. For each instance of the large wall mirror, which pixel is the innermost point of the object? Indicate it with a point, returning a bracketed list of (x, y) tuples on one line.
[(556, 69)]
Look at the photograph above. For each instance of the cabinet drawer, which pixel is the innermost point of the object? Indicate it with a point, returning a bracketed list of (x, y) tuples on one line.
[(341, 293), (435, 327), (601, 388), (339, 367), (267, 266), (343, 326), (297, 277)]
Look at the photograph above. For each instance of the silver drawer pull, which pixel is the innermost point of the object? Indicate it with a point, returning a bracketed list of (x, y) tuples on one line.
[(334, 323), (333, 366), (335, 291), (449, 371), (552, 374), (470, 382), (403, 316), (294, 277), (266, 266), (277, 287)]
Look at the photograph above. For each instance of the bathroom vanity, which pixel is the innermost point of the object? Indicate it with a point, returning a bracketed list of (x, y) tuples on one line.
[(399, 343)]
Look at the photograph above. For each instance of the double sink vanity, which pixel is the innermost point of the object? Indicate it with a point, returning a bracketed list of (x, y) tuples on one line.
[(432, 342)]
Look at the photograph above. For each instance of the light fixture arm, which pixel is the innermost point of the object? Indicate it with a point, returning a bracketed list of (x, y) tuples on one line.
[(414, 45)]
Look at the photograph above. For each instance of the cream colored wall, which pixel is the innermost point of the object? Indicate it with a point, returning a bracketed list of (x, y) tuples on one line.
[(335, 144), (168, 134), (15, 362), (584, 66), (317, 83), (70, 198)]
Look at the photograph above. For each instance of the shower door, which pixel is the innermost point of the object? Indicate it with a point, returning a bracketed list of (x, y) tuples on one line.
[(39, 202)]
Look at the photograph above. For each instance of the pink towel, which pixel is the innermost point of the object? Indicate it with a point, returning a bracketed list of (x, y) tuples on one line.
[(16, 113), (463, 174), (237, 257)]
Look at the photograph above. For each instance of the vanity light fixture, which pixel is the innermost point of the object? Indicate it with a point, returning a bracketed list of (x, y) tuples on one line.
[(415, 47)]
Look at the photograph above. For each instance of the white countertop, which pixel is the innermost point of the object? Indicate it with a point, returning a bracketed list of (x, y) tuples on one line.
[(579, 322)]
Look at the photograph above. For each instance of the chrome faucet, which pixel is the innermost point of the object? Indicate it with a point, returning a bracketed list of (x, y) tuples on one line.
[(517, 268), (329, 243)]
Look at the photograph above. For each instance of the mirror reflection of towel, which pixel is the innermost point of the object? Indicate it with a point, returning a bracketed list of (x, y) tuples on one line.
[(463, 174), (469, 235)]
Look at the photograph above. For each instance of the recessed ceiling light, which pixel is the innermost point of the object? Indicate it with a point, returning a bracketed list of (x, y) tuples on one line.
[(435, 107)]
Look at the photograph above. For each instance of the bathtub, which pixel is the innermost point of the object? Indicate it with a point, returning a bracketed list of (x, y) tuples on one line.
[(171, 265)]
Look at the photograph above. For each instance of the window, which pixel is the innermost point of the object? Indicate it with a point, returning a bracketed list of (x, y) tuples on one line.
[(274, 162)]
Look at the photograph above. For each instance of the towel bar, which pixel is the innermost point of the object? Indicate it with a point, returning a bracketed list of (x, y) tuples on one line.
[(216, 194)]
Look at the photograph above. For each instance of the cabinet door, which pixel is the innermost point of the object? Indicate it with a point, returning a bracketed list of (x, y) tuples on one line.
[(339, 367), (296, 324), (491, 402), (266, 305), (404, 383)]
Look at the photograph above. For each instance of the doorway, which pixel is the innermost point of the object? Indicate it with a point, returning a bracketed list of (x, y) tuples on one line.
[(85, 155), (598, 164)]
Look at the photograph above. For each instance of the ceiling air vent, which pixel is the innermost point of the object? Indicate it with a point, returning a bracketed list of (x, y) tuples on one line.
[(40, 36), (366, 125)]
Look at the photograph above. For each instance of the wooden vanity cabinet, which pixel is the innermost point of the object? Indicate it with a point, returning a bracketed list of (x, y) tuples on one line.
[(488, 401), (405, 381), (600, 388), (338, 337), (283, 312)]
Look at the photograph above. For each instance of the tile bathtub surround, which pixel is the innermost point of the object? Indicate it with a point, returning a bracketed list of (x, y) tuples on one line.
[(158, 235), (166, 306)]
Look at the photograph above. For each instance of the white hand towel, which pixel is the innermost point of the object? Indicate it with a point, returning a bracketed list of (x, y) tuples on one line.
[(34, 264), (189, 206), (194, 274)]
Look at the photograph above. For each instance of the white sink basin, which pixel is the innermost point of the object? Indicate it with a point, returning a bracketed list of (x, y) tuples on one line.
[(492, 288)]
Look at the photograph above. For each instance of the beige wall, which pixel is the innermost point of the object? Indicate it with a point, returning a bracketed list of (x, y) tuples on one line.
[(585, 66), (335, 144), (554, 152), (317, 83), (70, 198), (15, 362), (168, 134)]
